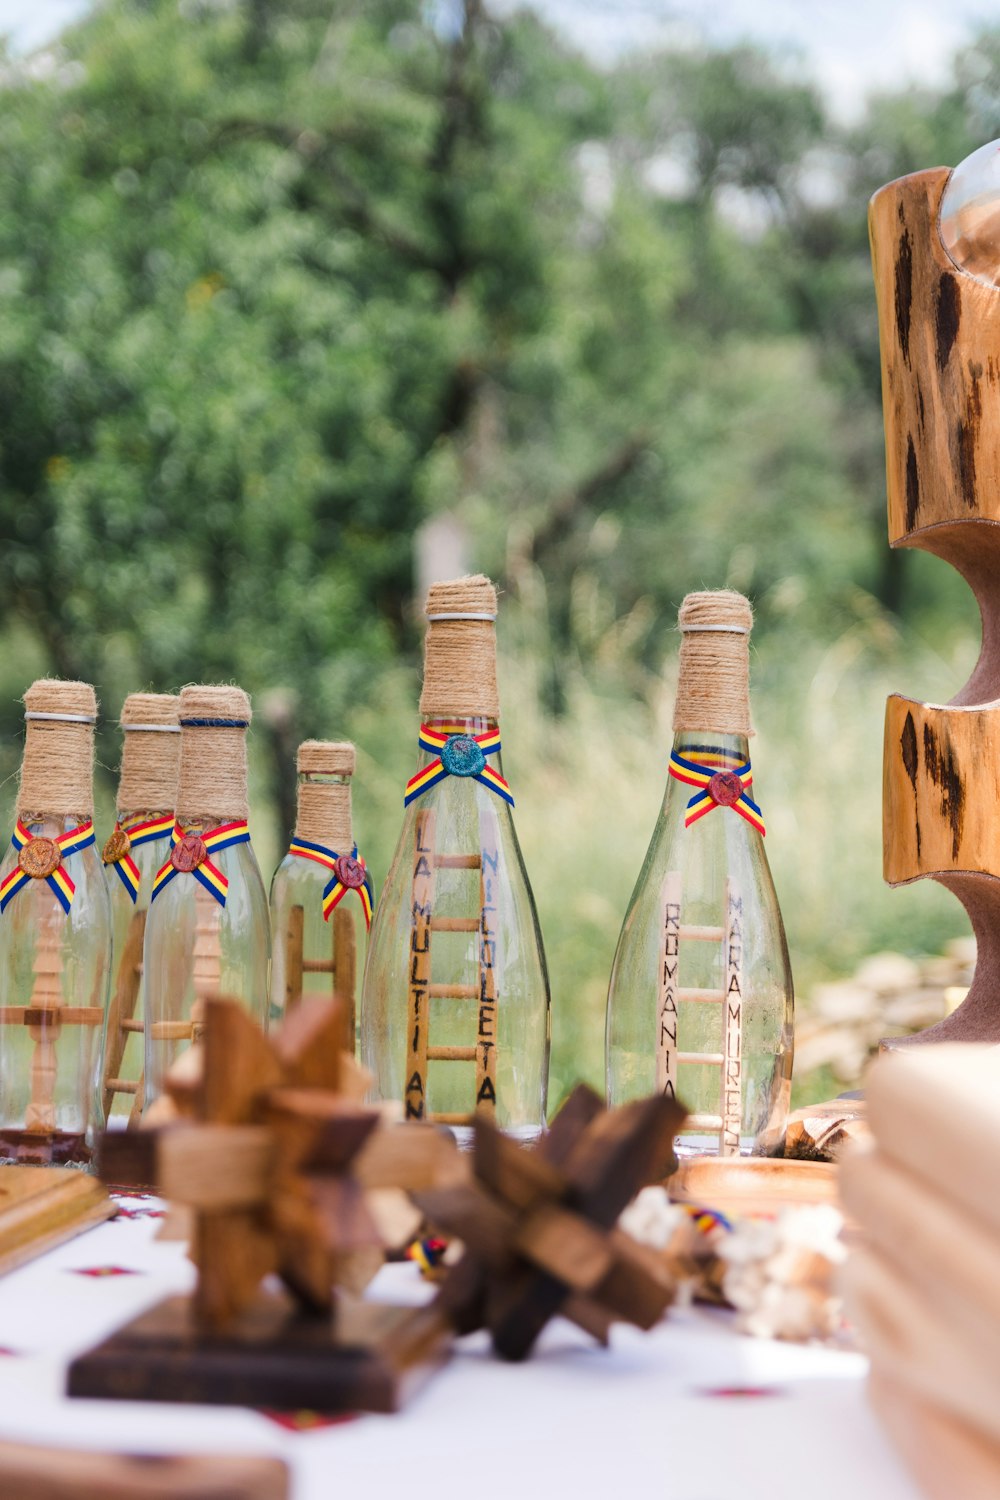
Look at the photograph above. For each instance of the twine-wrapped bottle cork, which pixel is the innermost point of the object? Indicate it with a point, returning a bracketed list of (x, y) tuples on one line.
[(713, 685), (460, 650), (323, 809), (57, 770), (150, 753), (212, 778)]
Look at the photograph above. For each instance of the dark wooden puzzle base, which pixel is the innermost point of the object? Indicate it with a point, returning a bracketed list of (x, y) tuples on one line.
[(369, 1359)]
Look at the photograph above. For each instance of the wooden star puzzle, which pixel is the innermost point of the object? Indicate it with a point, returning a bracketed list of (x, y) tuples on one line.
[(539, 1229), (264, 1157)]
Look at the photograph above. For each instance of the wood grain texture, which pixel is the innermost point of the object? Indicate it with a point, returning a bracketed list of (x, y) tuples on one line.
[(32, 1473), (940, 336), (41, 1207)]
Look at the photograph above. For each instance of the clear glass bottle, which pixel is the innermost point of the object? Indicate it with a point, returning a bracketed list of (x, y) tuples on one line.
[(455, 1003), (208, 931), (55, 939), (701, 1000), (321, 894), (136, 849)]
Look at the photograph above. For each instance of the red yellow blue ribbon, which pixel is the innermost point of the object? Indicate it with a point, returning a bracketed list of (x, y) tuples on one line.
[(336, 889), (457, 754), (139, 831), (700, 773), (207, 873), (59, 883)]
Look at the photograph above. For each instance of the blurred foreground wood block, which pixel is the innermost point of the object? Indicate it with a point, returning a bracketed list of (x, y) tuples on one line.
[(43, 1206), (30, 1473), (947, 1458)]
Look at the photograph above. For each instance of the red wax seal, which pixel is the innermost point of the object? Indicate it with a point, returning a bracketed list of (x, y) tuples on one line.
[(188, 854), (350, 871), (725, 788)]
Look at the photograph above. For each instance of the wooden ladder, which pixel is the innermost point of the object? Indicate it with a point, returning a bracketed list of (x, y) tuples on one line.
[(427, 860), (730, 998), (342, 964), (122, 1022)]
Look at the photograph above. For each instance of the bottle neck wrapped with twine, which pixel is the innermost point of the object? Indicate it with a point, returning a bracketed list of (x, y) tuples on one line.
[(713, 685), (323, 808), (150, 754), (460, 651), (212, 775), (57, 769)]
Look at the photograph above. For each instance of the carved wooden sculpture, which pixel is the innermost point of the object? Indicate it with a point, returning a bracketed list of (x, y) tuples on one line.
[(940, 338), (539, 1225), (263, 1156)]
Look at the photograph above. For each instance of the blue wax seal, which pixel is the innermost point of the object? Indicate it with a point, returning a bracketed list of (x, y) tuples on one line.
[(461, 756)]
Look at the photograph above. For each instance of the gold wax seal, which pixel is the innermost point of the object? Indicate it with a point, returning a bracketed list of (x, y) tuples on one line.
[(117, 847), (40, 857)]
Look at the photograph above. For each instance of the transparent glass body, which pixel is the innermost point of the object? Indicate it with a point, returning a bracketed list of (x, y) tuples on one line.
[(49, 1073), (301, 882), (698, 868), (970, 214), (194, 947), (467, 819), (127, 928)]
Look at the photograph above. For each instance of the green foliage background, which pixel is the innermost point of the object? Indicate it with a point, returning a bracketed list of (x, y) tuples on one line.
[(282, 279)]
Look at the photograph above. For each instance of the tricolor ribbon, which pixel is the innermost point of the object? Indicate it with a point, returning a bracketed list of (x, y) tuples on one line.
[(457, 754), (722, 782), (57, 880), (209, 875), (349, 874), (138, 833)]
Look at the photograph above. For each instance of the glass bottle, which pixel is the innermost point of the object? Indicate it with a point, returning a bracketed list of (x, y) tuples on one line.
[(208, 931), (137, 848), (55, 938), (700, 1001), (321, 887), (455, 1002)]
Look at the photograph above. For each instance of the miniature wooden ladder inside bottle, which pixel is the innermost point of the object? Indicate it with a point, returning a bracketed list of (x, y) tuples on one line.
[(427, 860), (729, 998), (147, 792), (342, 965)]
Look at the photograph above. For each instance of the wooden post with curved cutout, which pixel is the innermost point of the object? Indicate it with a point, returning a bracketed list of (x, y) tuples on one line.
[(940, 340)]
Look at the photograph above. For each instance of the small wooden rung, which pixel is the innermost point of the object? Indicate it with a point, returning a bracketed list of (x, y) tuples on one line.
[(701, 934), (451, 1054), (716, 1059), (457, 861), (451, 1119), (702, 1122), (132, 1025), (455, 924), (317, 966), (122, 1085), (453, 991), (707, 996)]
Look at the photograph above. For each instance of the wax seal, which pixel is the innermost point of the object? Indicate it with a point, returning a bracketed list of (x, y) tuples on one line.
[(350, 871), (188, 854), (461, 756), (725, 788), (116, 848), (39, 858)]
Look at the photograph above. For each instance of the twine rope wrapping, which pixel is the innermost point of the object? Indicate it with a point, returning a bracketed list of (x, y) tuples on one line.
[(323, 808), (151, 748), (460, 654), (212, 777), (457, 754), (722, 780), (57, 769), (132, 833), (45, 862), (713, 686), (189, 855), (350, 873)]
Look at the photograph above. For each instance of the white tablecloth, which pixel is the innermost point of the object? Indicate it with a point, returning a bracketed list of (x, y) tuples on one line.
[(691, 1411)]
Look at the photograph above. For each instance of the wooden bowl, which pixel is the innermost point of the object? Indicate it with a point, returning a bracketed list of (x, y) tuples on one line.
[(752, 1186)]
